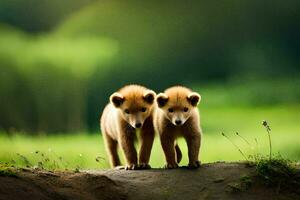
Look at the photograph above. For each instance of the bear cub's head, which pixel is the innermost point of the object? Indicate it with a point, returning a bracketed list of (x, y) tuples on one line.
[(135, 104), (178, 103)]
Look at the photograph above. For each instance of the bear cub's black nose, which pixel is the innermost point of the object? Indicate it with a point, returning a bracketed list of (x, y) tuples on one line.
[(177, 121), (138, 125)]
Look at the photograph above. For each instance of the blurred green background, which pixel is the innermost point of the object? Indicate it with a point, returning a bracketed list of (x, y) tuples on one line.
[(61, 59)]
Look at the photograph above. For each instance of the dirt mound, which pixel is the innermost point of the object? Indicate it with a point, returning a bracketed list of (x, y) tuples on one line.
[(36, 185), (211, 181)]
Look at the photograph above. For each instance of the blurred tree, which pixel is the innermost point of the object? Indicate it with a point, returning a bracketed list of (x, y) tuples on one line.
[(38, 15), (70, 72)]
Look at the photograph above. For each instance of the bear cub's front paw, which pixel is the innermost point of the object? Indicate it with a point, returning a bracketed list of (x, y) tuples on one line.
[(195, 164), (171, 166), (131, 167), (144, 166)]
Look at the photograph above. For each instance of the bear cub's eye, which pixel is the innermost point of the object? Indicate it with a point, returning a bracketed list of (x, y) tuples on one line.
[(171, 110), (126, 111), (185, 109), (143, 109)]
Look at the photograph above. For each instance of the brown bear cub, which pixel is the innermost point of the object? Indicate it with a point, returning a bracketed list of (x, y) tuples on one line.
[(130, 108), (177, 115)]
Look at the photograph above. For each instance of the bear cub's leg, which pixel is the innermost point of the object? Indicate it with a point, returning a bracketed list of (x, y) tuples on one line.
[(168, 146), (112, 149), (193, 144), (127, 139), (147, 138)]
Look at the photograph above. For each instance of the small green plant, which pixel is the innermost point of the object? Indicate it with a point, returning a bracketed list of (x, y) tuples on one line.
[(24, 160), (273, 170), (80, 163), (265, 124), (99, 158), (6, 170), (48, 160), (244, 184), (241, 152), (246, 141), (276, 171)]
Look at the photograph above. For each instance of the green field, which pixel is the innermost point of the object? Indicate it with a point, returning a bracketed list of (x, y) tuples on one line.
[(60, 62), (80, 150)]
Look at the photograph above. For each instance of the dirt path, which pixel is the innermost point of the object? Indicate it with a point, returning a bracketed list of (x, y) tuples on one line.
[(211, 181)]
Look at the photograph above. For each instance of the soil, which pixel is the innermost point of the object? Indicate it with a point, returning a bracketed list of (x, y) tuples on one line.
[(211, 181)]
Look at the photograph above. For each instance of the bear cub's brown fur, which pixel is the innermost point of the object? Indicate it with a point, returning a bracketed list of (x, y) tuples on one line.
[(177, 115), (130, 108)]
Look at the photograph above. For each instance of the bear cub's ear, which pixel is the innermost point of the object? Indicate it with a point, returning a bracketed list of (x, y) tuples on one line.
[(149, 96), (116, 99), (194, 98), (162, 99)]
